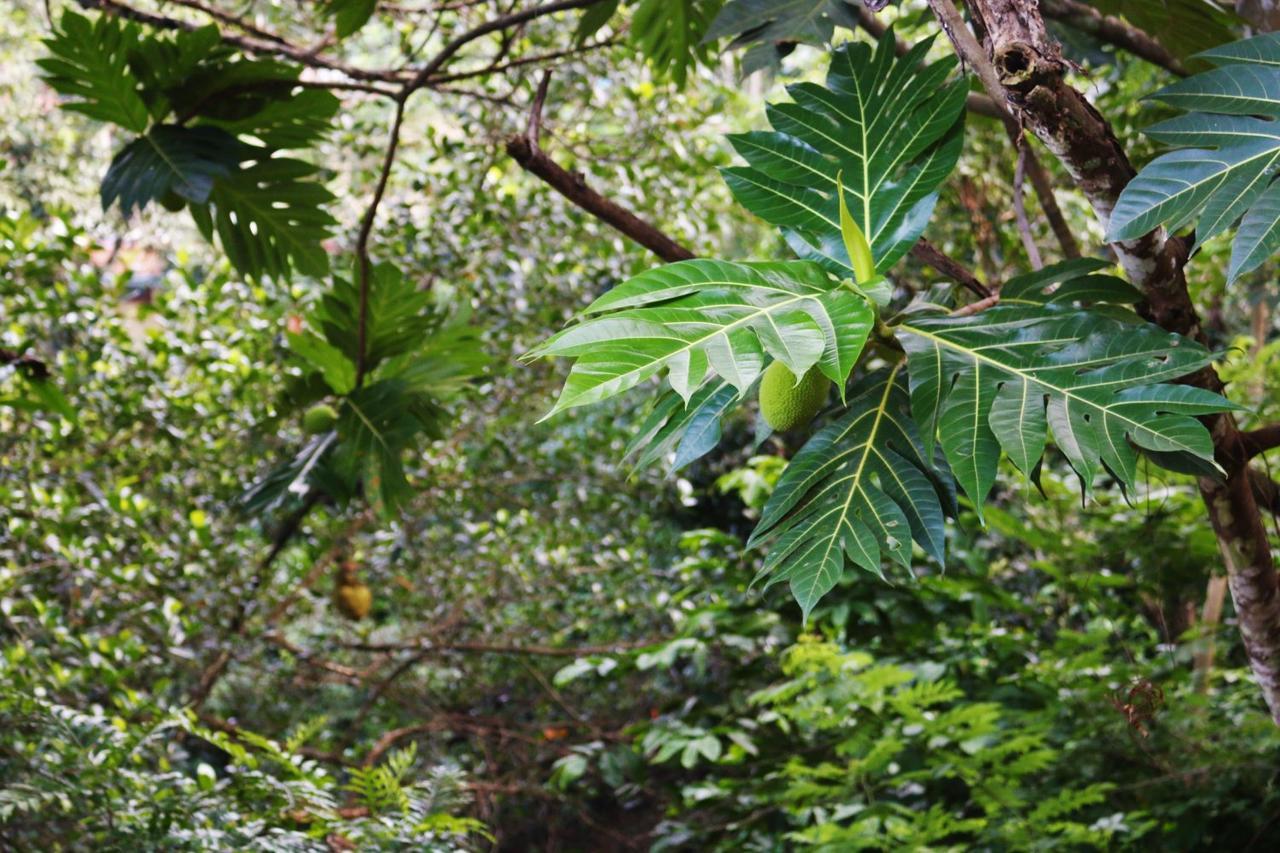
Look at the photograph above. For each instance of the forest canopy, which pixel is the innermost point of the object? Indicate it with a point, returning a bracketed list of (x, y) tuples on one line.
[(639, 425)]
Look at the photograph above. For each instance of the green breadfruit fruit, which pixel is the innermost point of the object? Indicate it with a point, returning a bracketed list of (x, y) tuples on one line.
[(319, 418), (172, 202), (787, 404)]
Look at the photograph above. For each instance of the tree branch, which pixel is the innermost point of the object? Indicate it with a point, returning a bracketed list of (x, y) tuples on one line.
[(429, 647), (423, 76), (1260, 440), (930, 255), (524, 150), (362, 239), (1113, 31), (574, 187)]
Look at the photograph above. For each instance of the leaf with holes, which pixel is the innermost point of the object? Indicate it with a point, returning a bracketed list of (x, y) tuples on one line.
[(1004, 378), (698, 318), (269, 218), (890, 126), (169, 158), (862, 488), (1228, 157)]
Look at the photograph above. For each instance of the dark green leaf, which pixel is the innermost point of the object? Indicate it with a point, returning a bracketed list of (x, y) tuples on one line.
[(811, 21), (349, 15), (270, 219), (1001, 379), (169, 159), (1228, 175)]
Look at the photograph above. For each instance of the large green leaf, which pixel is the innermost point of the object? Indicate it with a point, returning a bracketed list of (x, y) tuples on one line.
[(169, 159), (890, 126), (862, 487), (90, 61), (813, 21), (1003, 378), (1228, 174), (699, 317), (270, 219)]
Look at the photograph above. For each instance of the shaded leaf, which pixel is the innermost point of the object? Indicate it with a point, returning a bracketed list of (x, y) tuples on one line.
[(269, 218), (814, 21), (169, 159)]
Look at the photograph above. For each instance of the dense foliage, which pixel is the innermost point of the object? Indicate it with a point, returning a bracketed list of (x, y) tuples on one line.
[(288, 561)]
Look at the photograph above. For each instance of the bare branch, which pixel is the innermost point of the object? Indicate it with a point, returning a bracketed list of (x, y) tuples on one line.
[(574, 187), (1113, 31), (362, 240), (1260, 440), (428, 647), (423, 76), (1020, 209), (930, 255)]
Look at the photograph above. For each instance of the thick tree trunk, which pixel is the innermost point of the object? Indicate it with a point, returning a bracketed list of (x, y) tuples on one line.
[(1021, 65)]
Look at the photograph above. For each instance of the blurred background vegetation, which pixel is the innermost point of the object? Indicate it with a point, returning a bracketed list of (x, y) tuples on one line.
[(561, 653)]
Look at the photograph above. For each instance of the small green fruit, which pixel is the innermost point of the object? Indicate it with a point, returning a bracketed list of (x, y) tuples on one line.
[(319, 418), (172, 202), (786, 404)]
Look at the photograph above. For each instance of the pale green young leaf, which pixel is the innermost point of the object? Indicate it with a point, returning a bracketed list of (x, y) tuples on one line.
[(701, 318)]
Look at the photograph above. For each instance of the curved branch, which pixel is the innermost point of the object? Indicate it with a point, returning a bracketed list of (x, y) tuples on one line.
[(1257, 441), (1113, 31), (515, 19)]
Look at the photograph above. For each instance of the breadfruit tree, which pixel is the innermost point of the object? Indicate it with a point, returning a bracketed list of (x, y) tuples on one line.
[(1100, 352)]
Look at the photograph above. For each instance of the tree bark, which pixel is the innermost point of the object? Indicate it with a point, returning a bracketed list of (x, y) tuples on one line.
[(1021, 66)]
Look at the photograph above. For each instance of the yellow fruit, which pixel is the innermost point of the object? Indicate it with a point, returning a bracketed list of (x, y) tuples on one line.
[(319, 418), (353, 600), (352, 597), (786, 404)]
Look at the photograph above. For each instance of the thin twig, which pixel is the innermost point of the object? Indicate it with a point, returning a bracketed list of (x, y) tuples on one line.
[(1020, 209), (362, 241)]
